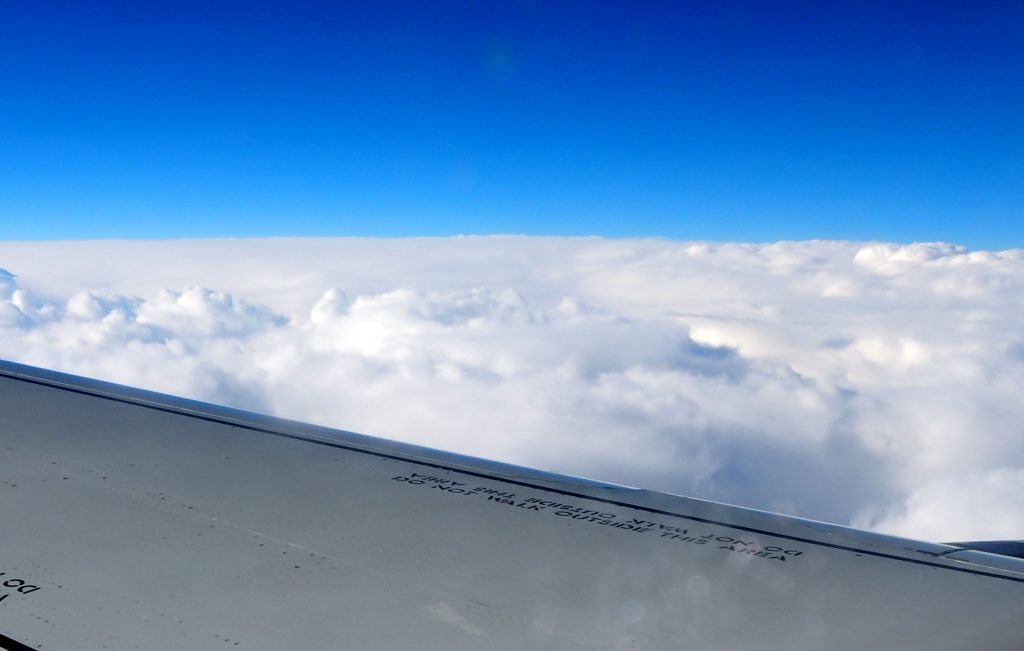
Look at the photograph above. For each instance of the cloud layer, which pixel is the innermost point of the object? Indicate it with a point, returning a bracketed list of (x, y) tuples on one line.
[(872, 384)]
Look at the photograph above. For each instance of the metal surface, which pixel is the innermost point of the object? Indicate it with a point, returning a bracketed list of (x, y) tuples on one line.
[(130, 520), (1013, 548)]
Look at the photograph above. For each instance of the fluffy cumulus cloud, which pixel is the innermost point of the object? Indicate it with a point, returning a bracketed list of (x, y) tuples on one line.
[(872, 384)]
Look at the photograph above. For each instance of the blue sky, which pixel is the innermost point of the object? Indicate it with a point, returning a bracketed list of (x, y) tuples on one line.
[(725, 121)]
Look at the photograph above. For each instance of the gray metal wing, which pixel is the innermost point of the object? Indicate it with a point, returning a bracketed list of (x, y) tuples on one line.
[(132, 520)]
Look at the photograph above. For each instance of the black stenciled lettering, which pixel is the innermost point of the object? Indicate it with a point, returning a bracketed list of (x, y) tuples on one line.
[(769, 552), (490, 491), (556, 505), (647, 524), (733, 541), (668, 535), (440, 483), (411, 480), (453, 489), (603, 519), (16, 586), (520, 505)]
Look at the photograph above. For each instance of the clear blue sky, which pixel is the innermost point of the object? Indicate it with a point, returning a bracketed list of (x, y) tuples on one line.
[(716, 120)]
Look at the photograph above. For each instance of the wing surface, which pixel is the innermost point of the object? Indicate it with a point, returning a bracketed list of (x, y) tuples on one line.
[(133, 520)]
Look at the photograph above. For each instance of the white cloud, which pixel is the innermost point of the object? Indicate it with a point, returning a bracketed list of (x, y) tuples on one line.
[(978, 506), (876, 384)]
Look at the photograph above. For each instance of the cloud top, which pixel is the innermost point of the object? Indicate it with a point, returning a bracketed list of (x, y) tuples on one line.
[(873, 384)]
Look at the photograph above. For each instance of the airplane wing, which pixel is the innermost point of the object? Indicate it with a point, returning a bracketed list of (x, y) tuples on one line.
[(133, 520)]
